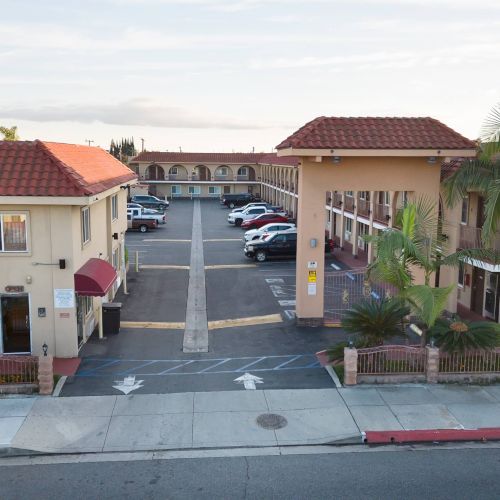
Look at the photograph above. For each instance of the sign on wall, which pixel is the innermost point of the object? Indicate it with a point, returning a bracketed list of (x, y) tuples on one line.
[(64, 298)]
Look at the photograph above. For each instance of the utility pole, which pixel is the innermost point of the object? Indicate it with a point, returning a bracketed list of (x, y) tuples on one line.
[(89, 141), (142, 140), (180, 149)]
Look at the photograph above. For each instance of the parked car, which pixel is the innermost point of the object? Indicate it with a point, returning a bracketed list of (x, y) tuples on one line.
[(262, 220), (134, 205), (237, 199), (253, 204), (142, 225), (147, 213), (255, 234), (148, 201), (279, 244), (238, 217)]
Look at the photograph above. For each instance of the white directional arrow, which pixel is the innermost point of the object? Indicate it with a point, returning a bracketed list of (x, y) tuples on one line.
[(249, 380), (128, 384)]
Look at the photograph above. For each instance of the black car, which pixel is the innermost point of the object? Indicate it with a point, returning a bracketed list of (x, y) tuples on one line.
[(280, 244), (148, 201), (237, 200)]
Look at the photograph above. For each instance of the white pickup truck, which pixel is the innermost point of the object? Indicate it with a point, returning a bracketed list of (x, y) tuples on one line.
[(145, 213), (237, 218)]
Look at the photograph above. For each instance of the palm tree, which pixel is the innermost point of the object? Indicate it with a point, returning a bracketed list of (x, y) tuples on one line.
[(418, 244), (9, 134), (481, 174)]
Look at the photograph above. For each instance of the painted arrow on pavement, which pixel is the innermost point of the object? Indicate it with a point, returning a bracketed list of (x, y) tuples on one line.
[(128, 384), (249, 380)]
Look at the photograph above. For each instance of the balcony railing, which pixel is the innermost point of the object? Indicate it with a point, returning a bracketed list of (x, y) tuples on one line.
[(349, 203), (337, 200), (154, 177), (178, 177), (470, 237), (242, 178), (223, 177), (382, 212), (363, 207)]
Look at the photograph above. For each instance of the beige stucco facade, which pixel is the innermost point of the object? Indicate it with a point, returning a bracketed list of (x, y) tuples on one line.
[(54, 232)]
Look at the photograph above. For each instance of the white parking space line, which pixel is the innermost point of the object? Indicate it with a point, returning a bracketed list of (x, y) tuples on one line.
[(289, 313), (274, 280), (286, 303), (167, 241), (217, 240)]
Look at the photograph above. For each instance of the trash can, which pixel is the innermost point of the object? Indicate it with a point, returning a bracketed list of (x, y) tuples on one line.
[(111, 317)]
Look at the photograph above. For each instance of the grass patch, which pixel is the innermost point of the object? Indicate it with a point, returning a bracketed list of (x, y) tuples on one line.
[(339, 370)]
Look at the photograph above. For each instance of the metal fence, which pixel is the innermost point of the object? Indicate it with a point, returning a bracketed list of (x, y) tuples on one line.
[(18, 369), (343, 289), (386, 360), (470, 362)]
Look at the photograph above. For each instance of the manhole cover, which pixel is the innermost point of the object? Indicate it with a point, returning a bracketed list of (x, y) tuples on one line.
[(271, 421)]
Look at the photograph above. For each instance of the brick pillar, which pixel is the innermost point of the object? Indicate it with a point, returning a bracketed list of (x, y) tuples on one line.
[(350, 366), (432, 370), (45, 375)]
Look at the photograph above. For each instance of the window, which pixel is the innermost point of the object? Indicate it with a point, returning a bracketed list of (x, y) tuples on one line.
[(227, 189), (461, 273), (349, 193), (465, 210), (85, 225), (114, 207), (86, 305), (174, 171), (213, 189), (194, 190), (222, 171), (115, 258), (364, 195), (348, 225), (13, 233), (243, 171), (176, 190)]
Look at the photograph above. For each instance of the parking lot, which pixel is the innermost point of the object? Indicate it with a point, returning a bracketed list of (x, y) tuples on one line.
[(249, 309)]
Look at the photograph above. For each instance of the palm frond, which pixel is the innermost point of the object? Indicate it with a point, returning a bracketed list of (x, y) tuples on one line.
[(490, 131), (427, 302), (491, 211), (469, 255)]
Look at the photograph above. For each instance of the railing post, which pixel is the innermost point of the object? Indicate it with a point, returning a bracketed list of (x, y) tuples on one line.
[(432, 365), (45, 375), (350, 366)]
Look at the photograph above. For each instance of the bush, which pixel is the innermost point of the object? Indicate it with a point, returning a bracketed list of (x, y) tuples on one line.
[(457, 335), (376, 320)]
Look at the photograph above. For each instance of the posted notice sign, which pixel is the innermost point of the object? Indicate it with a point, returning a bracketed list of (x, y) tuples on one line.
[(312, 277), (64, 298)]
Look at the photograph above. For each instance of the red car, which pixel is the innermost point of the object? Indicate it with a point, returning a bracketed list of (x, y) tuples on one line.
[(262, 220)]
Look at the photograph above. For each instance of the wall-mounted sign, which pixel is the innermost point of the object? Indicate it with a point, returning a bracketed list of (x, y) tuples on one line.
[(311, 289), (312, 277), (64, 298), (64, 315), (14, 289)]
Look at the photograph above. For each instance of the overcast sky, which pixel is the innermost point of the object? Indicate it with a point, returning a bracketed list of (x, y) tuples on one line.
[(229, 75)]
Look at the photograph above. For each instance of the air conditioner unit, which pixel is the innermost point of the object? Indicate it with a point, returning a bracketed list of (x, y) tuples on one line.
[(347, 235), (361, 242)]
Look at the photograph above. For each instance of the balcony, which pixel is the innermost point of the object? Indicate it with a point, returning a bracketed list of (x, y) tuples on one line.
[(337, 200), (177, 177), (223, 178), (242, 177), (470, 237), (363, 207), (154, 177), (382, 213), (349, 203)]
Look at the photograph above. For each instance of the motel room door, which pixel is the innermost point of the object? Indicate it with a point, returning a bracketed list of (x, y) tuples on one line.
[(15, 326), (477, 290)]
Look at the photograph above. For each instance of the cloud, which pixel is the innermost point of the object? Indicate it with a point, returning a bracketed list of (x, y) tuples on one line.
[(137, 112)]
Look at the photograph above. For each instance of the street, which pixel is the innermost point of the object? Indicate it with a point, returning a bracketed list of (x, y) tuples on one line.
[(400, 473)]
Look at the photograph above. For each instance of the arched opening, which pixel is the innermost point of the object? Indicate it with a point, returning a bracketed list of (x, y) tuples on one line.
[(155, 173), (201, 173), (246, 173), (177, 172), (223, 173)]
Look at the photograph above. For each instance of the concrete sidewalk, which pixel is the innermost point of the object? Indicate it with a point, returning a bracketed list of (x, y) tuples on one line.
[(229, 419)]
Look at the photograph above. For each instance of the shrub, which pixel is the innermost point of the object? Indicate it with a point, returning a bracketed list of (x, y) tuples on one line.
[(457, 335), (376, 320)]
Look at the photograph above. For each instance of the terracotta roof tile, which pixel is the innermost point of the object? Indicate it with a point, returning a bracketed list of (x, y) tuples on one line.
[(36, 168), (376, 133), (274, 159)]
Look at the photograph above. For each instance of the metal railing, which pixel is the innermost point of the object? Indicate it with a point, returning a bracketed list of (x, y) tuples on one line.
[(349, 203), (242, 177), (337, 200), (391, 359), (18, 369), (470, 237), (363, 207), (382, 213), (223, 177), (470, 362)]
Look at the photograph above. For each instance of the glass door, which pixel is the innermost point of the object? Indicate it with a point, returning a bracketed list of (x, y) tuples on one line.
[(15, 326)]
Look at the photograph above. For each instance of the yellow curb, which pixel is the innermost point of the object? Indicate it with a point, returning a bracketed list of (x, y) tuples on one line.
[(332, 325), (161, 266), (250, 321), (170, 241), (231, 266), (152, 325), (223, 239)]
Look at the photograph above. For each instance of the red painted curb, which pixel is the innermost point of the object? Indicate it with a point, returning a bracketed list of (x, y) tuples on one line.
[(426, 436)]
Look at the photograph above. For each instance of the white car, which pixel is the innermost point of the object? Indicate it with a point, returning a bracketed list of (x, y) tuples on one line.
[(237, 218), (249, 205), (255, 234), (146, 213)]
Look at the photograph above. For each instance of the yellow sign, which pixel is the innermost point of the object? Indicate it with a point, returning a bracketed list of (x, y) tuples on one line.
[(312, 277)]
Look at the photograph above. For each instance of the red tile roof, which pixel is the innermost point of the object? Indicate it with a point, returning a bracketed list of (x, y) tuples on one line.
[(173, 157), (376, 133), (274, 159), (36, 168)]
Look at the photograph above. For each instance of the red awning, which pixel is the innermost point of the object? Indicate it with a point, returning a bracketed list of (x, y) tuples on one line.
[(94, 278)]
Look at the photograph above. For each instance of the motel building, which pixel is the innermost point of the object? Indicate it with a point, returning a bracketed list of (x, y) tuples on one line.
[(62, 243)]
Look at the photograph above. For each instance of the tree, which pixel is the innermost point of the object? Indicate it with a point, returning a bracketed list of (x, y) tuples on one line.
[(9, 134), (481, 174), (418, 244)]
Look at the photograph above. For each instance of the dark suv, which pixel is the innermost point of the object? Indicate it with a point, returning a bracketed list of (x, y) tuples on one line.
[(237, 200), (148, 201), (280, 244)]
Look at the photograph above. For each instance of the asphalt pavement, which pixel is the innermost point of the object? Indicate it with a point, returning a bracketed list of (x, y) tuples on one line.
[(252, 303)]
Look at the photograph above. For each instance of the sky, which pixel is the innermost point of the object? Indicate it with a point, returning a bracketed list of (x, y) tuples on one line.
[(240, 75)]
